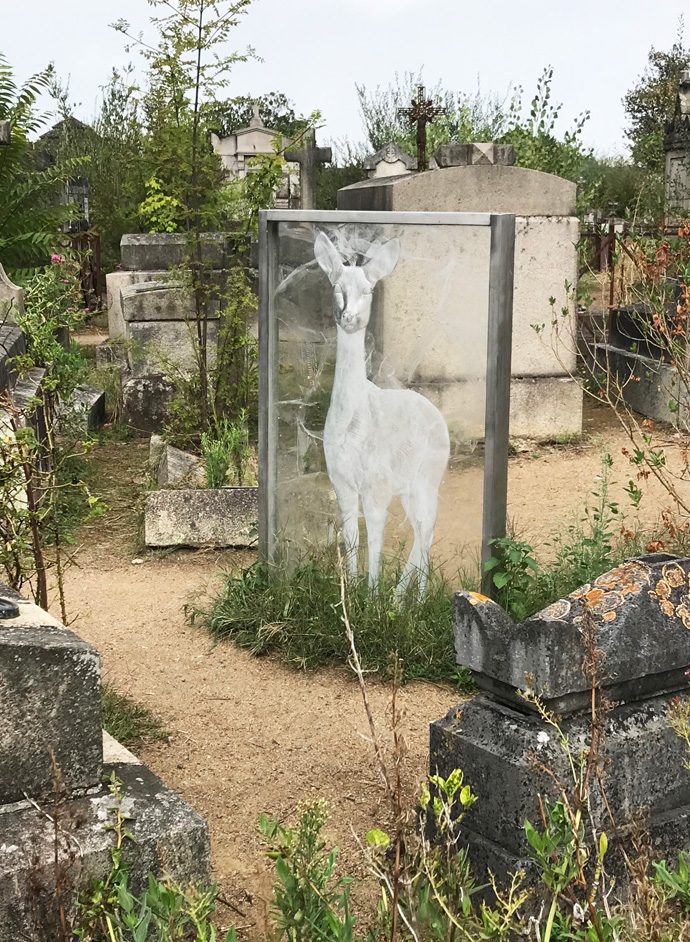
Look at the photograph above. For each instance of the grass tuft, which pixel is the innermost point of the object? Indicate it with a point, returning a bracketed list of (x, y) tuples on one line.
[(130, 723), (296, 614)]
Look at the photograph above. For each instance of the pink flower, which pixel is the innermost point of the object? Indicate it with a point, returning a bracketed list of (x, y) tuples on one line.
[(56, 259)]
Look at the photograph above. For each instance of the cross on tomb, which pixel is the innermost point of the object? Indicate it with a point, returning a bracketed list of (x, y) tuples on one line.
[(308, 156), (421, 112), (5, 132)]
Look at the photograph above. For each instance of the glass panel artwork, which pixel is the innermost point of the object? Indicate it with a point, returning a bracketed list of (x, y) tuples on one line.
[(379, 392)]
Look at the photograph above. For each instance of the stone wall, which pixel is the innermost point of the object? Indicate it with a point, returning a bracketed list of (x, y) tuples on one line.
[(545, 401)]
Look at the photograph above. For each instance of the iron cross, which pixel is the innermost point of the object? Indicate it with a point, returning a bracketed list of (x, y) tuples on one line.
[(421, 112)]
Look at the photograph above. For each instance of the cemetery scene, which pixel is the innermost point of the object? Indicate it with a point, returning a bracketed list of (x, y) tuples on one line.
[(344, 477)]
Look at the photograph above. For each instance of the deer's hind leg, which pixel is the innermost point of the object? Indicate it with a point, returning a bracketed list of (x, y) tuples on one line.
[(421, 507)]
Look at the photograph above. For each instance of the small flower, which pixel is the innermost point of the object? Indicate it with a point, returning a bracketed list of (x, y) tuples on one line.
[(56, 259)]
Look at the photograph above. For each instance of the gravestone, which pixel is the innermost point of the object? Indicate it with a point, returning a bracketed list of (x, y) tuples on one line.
[(637, 616), (390, 161), (50, 728), (152, 321), (677, 149), (545, 399), (308, 156), (5, 132)]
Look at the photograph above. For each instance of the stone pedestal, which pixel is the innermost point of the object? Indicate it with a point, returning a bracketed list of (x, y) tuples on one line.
[(50, 733), (546, 400), (638, 617)]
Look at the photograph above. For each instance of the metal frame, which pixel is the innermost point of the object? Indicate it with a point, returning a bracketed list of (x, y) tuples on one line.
[(499, 346)]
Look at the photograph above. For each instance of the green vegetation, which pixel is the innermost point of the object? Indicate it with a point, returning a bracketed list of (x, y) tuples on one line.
[(296, 614), (127, 721)]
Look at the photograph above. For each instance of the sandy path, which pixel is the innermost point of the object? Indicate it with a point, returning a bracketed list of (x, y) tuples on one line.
[(249, 735)]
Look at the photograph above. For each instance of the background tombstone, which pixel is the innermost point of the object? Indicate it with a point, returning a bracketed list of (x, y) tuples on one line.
[(390, 161), (677, 148), (544, 400), (308, 156), (5, 132), (638, 617)]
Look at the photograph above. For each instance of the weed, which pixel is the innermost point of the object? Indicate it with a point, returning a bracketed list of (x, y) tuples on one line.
[(127, 721), (296, 614)]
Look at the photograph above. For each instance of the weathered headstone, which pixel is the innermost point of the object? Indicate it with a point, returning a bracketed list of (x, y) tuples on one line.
[(5, 132), (634, 622), (677, 148), (545, 395), (52, 748), (308, 156)]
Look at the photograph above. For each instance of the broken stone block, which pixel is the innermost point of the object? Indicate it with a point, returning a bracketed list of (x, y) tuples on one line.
[(86, 412), (637, 616), (145, 402), (227, 516), (178, 467), (50, 702), (165, 250)]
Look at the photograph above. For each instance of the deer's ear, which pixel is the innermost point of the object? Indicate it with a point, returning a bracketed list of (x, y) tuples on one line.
[(382, 260), (328, 258)]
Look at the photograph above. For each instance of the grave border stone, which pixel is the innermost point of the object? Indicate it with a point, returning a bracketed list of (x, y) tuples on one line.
[(498, 366)]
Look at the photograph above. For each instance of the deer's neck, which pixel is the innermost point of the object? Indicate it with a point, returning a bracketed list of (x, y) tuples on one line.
[(350, 380)]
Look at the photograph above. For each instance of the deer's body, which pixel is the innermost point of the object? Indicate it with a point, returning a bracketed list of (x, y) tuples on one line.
[(378, 443)]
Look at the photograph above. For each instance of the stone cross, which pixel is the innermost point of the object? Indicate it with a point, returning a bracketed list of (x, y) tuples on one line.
[(5, 132), (421, 112), (308, 156)]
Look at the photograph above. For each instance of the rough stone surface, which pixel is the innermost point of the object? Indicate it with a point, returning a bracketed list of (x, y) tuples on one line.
[(158, 345), (166, 250), (158, 301), (476, 189), (11, 344), (455, 154), (179, 467), (86, 411), (169, 838), (117, 280), (638, 616), (634, 607), (546, 233), (145, 402), (650, 386), (49, 700), (156, 448), (110, 355), (223, 517)]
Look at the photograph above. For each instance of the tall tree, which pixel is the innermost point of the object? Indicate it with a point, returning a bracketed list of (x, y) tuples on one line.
[(650, 103)]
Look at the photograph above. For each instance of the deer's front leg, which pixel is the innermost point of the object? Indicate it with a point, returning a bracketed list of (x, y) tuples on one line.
[(348, 504), (375, 509)]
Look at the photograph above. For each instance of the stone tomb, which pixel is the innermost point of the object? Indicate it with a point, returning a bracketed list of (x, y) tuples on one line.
[(50, 726), (151, 320), (639, 618), (544, 400)]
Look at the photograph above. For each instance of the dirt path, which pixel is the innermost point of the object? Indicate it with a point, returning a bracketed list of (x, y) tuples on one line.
[(248, 735)]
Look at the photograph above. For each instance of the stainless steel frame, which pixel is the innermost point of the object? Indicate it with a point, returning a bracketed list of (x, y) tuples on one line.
[(500, 325)]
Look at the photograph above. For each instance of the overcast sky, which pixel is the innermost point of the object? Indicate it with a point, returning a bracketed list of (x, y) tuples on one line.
[(315, 50)]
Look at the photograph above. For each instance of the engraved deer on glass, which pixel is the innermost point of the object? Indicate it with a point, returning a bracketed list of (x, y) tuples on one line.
[(378, 443)]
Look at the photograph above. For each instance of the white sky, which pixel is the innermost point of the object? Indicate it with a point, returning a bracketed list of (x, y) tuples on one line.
[(315, 50)]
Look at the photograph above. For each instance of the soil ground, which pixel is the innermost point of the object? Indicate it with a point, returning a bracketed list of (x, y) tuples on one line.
[(249, 735)]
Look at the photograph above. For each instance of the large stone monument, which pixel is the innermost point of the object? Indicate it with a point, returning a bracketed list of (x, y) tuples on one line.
[(55, 810), (631, 624), (677, 148), (545, 400)]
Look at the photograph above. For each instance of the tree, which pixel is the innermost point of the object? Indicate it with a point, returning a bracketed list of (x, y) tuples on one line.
[(275, 110), (30, 214), (651, 101)]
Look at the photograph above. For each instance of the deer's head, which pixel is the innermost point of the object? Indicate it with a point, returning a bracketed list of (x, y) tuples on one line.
[(353, 285)]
